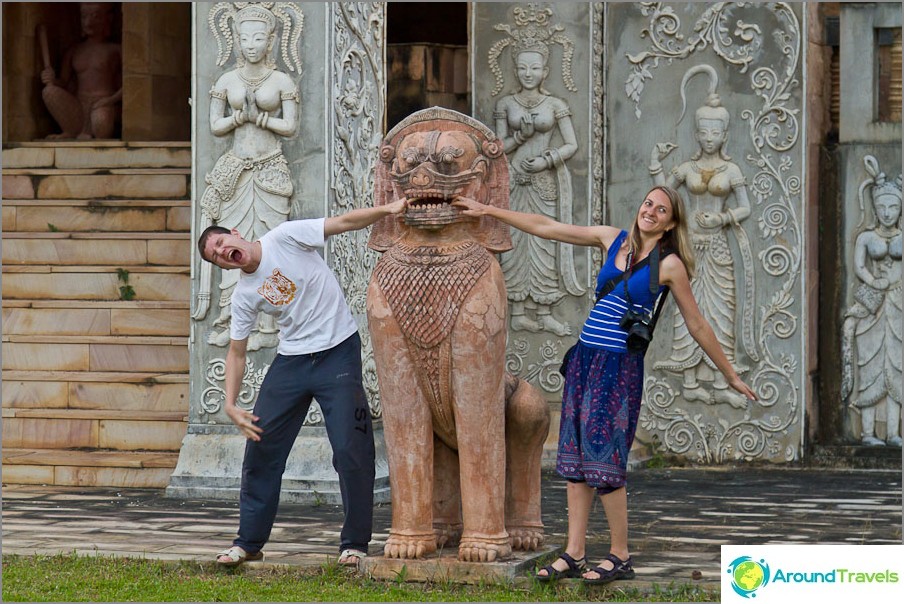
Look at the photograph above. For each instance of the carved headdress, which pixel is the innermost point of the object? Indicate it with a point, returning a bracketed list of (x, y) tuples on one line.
[(532, 32), (712, 108), (287, 13), (879, 185)]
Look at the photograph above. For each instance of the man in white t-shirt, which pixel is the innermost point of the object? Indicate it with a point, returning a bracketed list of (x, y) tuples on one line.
[(319, 355)]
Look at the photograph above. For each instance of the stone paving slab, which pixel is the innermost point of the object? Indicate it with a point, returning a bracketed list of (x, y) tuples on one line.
[(679, 518)]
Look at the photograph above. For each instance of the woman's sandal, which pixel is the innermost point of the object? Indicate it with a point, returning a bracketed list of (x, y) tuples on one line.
[(235, 555), (575, 568), (621, 570)]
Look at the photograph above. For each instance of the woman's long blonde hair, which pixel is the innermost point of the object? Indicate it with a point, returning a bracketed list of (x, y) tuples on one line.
[(677, 239)]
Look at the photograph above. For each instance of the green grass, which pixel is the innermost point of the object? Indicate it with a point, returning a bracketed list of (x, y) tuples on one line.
[(72, 578)]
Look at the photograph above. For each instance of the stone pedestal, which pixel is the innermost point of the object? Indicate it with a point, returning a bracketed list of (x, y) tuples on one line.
[(445, 567)]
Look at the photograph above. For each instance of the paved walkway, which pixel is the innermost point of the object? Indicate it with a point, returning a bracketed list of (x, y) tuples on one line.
[(679, 518)]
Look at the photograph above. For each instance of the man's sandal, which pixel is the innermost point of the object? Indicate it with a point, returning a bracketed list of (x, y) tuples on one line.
[(621, 570), (235, 555), (575, 568), (351, 557)]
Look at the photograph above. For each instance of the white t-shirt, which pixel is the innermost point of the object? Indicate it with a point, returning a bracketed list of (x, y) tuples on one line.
[(295, 285)]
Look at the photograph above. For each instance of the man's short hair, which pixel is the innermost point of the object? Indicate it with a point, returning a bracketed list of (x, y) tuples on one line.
[(208, 232)]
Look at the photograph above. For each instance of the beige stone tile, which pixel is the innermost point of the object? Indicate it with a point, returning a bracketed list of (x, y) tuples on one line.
[(9, 218), (56, 321), (134, 322), (74, 251), (94, 286), (28, 157), (34, 395), (49, 433), (123, 157), (131, 435), (26, 475), (102, 218), (147, 397), (150, 478), (139, 186), (137, 357), (18, 187), (178, 219), (45, 357), (135, 50), (137, 109), (169, 252)]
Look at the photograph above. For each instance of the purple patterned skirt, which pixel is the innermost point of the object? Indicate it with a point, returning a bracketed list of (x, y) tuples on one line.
[(600, 407)]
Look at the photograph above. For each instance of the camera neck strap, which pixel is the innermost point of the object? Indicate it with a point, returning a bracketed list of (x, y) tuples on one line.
[(652, 259)]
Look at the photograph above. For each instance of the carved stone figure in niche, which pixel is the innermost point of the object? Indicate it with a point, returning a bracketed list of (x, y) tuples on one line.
[(871, 343), (538, 137), (463, 438), (710, 179), (85, 99), (250, 186)]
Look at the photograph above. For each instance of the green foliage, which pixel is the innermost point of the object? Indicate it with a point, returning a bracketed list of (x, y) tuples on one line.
[(126, 291), (52, 227), (72, 578)]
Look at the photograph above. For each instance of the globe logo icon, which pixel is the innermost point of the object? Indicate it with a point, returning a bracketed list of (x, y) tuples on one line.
[(748, 575)]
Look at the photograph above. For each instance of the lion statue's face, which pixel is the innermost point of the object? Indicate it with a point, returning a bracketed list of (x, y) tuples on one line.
[(431, 169)]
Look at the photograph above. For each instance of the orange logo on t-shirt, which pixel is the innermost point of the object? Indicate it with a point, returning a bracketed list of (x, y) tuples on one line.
[(277, 289)]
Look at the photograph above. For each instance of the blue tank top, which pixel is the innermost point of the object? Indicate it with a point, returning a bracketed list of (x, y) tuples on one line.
[(601, 328)]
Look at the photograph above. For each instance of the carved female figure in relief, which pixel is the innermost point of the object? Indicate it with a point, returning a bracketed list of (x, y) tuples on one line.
[(250, 186), (871, 345), (538, 138), (710, 180)]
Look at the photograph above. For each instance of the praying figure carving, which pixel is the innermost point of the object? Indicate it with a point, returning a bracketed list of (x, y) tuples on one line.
[(250, 187), (85, 100), (538, 137), (710, 180), (464, 439), (871, 342)]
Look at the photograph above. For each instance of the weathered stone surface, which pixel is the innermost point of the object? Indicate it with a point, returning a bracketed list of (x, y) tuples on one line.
[(34, 395), (170, 252), (126, 322), (178, 219), (133, 435), (138, 357), (70, 218), (24, 474), (149, 397), (94, 286), (142, 478), (92, 186), (18, 187), (124, 157), (43, 250), (46, 357), (9, 218), (49, 433), (59, 321), (28, 157), (445, 567)]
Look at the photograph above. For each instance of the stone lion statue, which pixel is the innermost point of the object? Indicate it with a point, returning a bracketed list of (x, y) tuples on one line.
[(464, 438)]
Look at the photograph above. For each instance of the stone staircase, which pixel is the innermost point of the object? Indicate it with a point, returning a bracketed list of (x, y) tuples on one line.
[(96, 262)]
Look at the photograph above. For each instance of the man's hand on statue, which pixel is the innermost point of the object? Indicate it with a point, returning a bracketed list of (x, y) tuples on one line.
[(244, 420), (398, 206)]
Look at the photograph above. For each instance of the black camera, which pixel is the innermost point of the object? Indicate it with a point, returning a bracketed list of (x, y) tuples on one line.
[(640, 332)]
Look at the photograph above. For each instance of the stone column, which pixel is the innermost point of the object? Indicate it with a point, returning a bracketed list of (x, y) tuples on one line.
[(333, 53), (735, 69), (550, 285)]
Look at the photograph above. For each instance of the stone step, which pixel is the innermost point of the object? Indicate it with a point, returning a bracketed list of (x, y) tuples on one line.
[(124, 184), (140, 415), (124, 377), (129, 356), (140, 469), (68, 155), (95, 321), (149, 283), (78, 393), (94, 433), (91, 171), (124, 249), (36, 215)]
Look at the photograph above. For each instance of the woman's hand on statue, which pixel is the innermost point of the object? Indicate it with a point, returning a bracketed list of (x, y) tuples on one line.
[(398, 206), (708, 220), (470, 207), (743, 388), (244, 420), (534, 165)]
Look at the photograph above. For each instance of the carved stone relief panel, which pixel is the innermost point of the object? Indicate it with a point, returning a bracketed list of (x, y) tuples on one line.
[(871, 331), (537, 84), (707, 98)]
